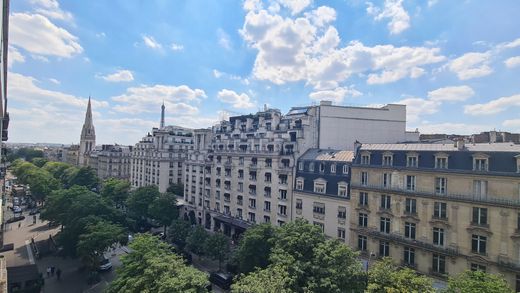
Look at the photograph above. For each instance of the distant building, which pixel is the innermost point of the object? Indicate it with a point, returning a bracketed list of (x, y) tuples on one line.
[(87, 141), (495, 136), (111, 161), (71, 154)]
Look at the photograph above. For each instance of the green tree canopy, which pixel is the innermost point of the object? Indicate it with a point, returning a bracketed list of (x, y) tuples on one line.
[(152, 267), (22, 170), (255, 247), (164, 209), (385, 276), (27, 154), (84, 176), (139, 201), (216, 247), (274, 278), (39, 162), (41, 183), (477, 281), (176, 188), (96, 239), (178, 232), (116, 190), (59, 170), (196, 239)]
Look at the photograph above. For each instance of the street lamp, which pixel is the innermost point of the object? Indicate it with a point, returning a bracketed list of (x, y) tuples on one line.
[(370, 255)]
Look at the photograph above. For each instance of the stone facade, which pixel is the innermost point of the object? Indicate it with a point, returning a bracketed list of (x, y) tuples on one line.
[(111, 161)]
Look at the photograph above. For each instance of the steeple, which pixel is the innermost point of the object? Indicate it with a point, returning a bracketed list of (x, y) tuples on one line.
[(87, 141), (162, 115)]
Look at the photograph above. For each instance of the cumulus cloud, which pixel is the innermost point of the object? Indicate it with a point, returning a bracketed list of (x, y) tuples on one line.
[(223, 39), (512, 62), (150, 42), (144, 98), (51, 9), (14, 56), (399, 20), (295, 6), (336, 95), (119, 76), (416, 107), (38, 35), (471, 65), (55, 81), (176, 47), (451, 94), (238, 101), (493, 106)]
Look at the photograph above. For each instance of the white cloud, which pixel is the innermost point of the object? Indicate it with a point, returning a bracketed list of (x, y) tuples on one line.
[(119, 75), (512, 62), (55, 81), (510, 45), (38, 35), (336, 95), (393, 10), (452, 128), (101, 35), (321, 16), (451, 94), (144, 98), (238, 101), (513, 124), (51, 9), (14, 56), (493, 106), (217, 74), (415, 107), (296, 6), (223, 39), (150, 42), (176, 47), (432, 2), (471, 65)]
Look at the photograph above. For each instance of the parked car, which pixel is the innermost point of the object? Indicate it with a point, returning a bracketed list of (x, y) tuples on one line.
[(223, 280), (15, 219), (17, 209), (104, 264)]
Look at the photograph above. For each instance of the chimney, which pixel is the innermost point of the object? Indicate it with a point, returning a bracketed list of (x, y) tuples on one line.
[(460, 144)]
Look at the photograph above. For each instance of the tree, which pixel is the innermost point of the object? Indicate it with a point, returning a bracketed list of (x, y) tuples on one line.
[(196, 239), (58, 170), (96, 239), (178, 232), (176, 188), (27, 154), (152, 267), (116, 190), (216, 246), (139, 201), (274, 278), (22, 170), (477, 281), (164, 209), (41, 183), (255, 247), (39, 162), (84, 176), (385, 276)]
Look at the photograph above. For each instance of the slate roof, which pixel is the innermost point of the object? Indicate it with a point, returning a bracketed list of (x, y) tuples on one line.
[(328, 155)]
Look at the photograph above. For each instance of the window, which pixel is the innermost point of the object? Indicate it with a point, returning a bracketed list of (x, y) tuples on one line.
[(478, 244), (387, 160), (345, 169), (267, 177), (479, 216), (439, 210), (217, 206), (319, 225), (480, 164), (363, 220), (342, 190), (240, 200), (480, 189), (363, 199), (282, 210), (318, 208), (299, 204), (441, 162), (384, 248), (319, 187), (384, 225), (269, 163), (322, 167), (410, 182), (300, 166), (311, 167), (333, 168), (299, 184), (439, 264), (252, 203), (240, 186), (438, 236), (342, 212), (409, 256), (411, 161), (341, 233), (365, 159), (267, 206), (386, 202), (364, 178), (441, 184), (283, 194), (252, 217), (411, 206), (409, 230), (267, 219), (362, 243), (387, 180), (477, 267)]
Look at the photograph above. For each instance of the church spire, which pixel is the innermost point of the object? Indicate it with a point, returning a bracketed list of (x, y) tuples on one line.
[(88, 114), (162, 115), (87, 141)]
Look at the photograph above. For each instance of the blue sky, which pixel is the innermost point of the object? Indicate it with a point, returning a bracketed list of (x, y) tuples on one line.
[(456, 64)]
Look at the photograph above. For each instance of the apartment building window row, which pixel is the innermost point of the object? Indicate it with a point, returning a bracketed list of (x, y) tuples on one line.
[(387, 160), (363, 199), (342, 189), (384, 248), (412, 161), (478, 244), (438, 236), (341, 233), (439, 264), (441, 185), (342, 212), (319, 186), (439, 210), (363, 220), (479, 216), (386, 202), (362, 242), (409, 230), (318, 208), (409, 256), (411, 206), (384, 225), (299, 184)]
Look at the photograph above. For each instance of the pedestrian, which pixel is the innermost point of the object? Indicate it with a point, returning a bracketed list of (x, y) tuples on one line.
[(19, 225), (52, 270), (58, 273), (48, 272)]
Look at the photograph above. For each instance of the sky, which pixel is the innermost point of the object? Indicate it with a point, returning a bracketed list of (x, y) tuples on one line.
[(455, 64)]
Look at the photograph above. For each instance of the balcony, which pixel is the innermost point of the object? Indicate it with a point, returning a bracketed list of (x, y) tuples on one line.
[(431, 194)]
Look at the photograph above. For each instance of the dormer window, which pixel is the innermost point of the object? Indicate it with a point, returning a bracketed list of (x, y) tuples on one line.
[(365, 159), (387, 159), (480, 162), (299, 184), (412, 161), (441, 162), (322, 167), (311, 167), (320, 186), (345, 169), (300, 166), (333, 168)]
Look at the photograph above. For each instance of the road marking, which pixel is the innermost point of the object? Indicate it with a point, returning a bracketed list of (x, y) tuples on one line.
[(29, 251)]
